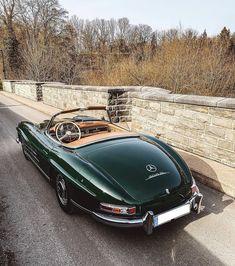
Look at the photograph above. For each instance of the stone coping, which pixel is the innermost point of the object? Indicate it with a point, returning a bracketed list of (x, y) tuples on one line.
[(111, 89), (37, 83), (93, 88), (32, 82), (154, 94), (188, 99), (17, 80)]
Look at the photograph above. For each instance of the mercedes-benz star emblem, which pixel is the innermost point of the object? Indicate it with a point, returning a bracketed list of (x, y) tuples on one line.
[(151, 168)]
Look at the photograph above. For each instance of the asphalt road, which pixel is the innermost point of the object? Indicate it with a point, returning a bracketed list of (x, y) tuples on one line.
[(35, 231)]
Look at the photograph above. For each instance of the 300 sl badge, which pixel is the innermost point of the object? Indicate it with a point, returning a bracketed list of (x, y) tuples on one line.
[(156, 174)]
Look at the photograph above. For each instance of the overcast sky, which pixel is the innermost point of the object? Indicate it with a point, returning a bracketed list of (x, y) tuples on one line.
[(211, 15)]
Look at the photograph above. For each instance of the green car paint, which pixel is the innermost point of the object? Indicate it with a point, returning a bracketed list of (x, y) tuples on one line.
[(111, 171)]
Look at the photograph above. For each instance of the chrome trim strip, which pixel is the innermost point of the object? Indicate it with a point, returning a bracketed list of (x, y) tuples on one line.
[(54, 140), (39, 168), (120, 222), (30, 155), (80, 207), (196, 199)]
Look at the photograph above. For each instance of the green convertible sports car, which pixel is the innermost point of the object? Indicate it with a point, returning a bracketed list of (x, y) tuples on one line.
[(120, 177)]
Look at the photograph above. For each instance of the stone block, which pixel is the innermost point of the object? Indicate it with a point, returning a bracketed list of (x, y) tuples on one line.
[(215, 131), (186, 114), (202, 117), (224, 113), (169, 105), (222, 122), (142, 103), (208, 139), (199, 100), (156, 106), (227, 103), (167, 119), (224, 144), (197, 108), (190, 124), (123, 113), (230, 135), (168, 111), (177, 138), (193, 134), (201, 147)]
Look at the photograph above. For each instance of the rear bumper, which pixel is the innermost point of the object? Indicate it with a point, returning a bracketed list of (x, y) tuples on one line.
[(149, 220)]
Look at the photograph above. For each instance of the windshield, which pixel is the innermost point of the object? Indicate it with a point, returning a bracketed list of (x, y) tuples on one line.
[(83, 116), (88, 115)]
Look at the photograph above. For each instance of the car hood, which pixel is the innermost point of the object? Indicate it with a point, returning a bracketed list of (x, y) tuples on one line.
[(141, 168)]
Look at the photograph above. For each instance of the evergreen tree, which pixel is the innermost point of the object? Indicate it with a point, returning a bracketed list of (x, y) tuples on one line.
[(204, 35), (153, 44), (225, 36)]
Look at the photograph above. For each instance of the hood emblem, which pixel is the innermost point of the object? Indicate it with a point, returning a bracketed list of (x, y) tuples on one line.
[(151, 168)]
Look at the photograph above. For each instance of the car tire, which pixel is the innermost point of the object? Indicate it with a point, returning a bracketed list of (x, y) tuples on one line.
[(62, 194)]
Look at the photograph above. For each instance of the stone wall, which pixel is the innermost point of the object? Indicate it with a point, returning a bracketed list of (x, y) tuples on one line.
[(28, 89), (118, 99), (7, 86), (198, 124)]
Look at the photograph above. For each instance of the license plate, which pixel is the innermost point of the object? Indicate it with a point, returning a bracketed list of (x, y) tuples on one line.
[(172, 214)]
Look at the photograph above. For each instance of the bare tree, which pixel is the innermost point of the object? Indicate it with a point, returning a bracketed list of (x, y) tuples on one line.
[(41, 18), (11, 44)]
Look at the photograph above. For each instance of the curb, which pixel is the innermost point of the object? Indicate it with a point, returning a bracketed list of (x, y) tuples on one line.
[(212, 183)]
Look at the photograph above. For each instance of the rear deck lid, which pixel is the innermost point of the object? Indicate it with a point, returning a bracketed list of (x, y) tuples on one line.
[(140, 167)]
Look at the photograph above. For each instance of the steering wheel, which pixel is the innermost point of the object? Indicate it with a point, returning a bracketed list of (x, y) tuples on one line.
[(68, 132)]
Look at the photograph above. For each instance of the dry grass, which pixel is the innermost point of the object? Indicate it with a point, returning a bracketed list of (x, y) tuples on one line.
[(191, 67)]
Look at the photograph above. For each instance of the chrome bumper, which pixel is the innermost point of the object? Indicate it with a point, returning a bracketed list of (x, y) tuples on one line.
[(147, 221)]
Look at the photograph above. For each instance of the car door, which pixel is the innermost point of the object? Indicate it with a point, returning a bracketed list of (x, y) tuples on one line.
[(42, 148)]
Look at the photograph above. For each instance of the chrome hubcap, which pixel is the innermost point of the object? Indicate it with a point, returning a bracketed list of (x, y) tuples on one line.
[(61, 190)]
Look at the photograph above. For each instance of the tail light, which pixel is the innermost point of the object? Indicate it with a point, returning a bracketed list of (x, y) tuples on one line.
[(194, 187), (116, 209)]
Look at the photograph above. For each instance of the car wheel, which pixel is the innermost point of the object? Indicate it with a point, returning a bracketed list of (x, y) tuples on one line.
[(24, 152), (63, 194)]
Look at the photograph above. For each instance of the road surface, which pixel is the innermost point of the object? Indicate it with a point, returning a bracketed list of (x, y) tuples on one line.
[(35, 231)]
